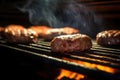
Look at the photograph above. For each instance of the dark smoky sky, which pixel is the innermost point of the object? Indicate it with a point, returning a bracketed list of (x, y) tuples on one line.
[(61, 13)]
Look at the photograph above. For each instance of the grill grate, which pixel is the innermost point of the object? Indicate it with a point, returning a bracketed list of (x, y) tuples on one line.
[(104, 56)]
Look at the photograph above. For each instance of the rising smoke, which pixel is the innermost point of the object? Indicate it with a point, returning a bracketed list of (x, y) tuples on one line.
[(61, 13)]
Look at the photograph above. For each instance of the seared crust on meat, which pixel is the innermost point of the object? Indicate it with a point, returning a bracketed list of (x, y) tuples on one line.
[(70, 30), (71, 43), (49, 33), (19, 34), (108, 37), (53, 32), (40, 30)]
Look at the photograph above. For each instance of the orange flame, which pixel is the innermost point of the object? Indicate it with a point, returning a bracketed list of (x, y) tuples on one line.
[(70, 75), (77, 76), (94, 66)]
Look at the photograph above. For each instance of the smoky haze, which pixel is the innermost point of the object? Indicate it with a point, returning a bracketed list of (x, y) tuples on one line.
[(61, 13)]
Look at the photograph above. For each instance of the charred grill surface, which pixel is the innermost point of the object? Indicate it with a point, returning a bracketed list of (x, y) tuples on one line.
[(105, 56)]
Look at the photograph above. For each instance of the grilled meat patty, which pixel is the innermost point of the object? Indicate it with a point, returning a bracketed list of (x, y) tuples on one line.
[(40, 30), (53, 32), (49, 33), (71, 43), (108, 37), (19, 34)]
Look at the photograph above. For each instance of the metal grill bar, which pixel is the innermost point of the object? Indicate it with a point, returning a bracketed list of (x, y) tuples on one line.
[(105, 57), (108, 60), (101, 57), (96, 61), (97, 55)]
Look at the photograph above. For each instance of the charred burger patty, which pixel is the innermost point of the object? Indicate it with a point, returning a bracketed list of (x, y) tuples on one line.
[(19, 34), (71, 43), (108, 37)]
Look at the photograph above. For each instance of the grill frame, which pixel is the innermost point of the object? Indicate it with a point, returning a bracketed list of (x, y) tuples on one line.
[(42, 52)]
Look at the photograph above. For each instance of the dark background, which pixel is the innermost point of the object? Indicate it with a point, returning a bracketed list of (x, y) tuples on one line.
[(22, 67), (108, 10)]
